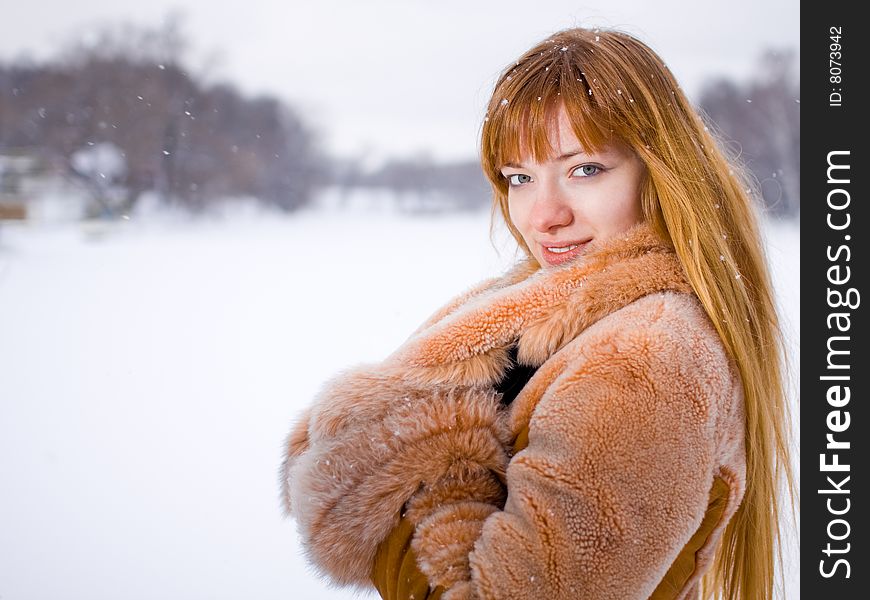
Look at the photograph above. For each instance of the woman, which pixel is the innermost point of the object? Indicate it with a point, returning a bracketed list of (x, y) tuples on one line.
[(606, 419)]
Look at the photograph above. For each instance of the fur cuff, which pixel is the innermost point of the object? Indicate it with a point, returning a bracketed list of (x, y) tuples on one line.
[(444, 540), (373, 442), (461, 591)]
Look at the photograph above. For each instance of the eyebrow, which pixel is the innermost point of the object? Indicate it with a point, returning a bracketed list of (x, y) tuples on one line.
[(565, 156)]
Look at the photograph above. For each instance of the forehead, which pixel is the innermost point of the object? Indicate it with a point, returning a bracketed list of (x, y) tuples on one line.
[(560, 133)]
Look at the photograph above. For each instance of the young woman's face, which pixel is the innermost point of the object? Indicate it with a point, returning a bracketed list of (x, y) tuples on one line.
[(561, 205)]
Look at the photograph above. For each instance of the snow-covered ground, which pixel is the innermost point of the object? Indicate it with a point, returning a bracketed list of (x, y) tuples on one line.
[(149, 372)]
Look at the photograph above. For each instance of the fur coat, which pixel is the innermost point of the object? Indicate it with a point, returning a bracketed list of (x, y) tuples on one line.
[(612, 475)]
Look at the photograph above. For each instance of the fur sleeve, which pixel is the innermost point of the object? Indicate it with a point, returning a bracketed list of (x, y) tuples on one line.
[(616, 475), (295, 444), (373, 442)]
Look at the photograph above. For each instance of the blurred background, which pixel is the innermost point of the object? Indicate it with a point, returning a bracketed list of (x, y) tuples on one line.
[(208, 209)]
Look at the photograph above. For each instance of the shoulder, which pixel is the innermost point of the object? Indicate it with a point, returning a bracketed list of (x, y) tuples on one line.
[(665, 325), (662, 348)]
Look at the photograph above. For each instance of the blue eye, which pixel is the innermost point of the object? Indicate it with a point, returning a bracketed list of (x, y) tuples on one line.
[(519, 178), (587, 170)]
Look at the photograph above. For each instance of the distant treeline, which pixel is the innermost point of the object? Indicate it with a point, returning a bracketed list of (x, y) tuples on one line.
[(122, 116)]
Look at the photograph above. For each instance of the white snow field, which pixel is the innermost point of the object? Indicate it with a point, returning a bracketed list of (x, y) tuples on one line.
[(150, 371)]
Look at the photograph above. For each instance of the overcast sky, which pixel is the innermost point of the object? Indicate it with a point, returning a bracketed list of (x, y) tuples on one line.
[(389, 77)]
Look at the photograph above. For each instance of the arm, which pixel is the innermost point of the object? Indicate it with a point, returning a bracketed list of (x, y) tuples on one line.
[(371, 443)]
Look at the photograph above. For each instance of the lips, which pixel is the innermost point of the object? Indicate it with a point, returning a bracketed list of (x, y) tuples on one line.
[(557, 258)]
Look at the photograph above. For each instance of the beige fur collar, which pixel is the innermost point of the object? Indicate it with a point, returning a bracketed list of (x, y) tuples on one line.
[(543, 309)]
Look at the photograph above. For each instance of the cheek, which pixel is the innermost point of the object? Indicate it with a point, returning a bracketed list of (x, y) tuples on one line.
[(638, 183), (633, 210), (629, 210), (637, 203), (629, 214), (519, 217)]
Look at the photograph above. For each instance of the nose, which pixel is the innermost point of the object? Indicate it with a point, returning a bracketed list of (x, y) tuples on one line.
[(551, 210)]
